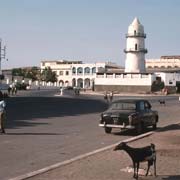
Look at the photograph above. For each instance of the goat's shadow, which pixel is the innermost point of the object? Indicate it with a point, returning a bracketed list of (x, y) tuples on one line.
[(175, 177), (160, 177)]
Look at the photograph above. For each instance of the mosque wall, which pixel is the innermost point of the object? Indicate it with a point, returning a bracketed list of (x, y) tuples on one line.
[(123, 88), (124, 82)]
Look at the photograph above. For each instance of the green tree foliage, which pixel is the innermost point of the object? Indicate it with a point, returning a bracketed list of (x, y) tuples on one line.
[(48, 75), (18, 72), (31, 73), (157, 85)]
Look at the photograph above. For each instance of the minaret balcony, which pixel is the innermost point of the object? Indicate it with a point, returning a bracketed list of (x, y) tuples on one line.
[(129, 35), (135, 51)]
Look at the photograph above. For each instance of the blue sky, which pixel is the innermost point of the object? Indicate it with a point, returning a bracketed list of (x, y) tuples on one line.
[(86, 30)]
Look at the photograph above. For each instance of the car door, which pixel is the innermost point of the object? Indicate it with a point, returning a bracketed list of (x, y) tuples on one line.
[(144, 112), (149, 114)]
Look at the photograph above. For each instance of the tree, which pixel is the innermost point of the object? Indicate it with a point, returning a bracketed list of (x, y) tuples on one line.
[(48, 75), (31, 73), (18, 72)]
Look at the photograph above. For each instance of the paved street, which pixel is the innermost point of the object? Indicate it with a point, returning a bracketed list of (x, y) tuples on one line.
[(43, 129)]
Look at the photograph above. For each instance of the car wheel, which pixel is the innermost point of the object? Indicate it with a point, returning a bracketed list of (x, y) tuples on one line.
[(139, 128), (154, 126), (108, 130)]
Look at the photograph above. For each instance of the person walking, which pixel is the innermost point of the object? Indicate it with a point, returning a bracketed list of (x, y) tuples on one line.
[(111, 96), (106, 97), (2, 115)]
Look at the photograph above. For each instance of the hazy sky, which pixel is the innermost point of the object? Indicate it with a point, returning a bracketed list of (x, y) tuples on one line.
[(86, 30)]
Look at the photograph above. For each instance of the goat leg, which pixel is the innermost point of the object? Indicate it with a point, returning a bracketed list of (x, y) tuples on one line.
[(137, 170), (134, 166), (148, 168), (155, 167)]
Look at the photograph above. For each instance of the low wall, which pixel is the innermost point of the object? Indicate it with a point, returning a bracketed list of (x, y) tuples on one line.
[(171, 89), (121, 88)]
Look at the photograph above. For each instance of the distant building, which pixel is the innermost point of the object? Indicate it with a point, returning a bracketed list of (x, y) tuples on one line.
[(167, 62), (76, 73)]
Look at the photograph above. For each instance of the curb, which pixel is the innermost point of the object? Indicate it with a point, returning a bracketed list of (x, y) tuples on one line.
[(57, 165)]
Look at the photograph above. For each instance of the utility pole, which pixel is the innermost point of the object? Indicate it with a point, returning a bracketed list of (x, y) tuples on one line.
[(2, 54)]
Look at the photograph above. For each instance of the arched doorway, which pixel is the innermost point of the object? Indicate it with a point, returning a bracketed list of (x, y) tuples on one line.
[(87, 83), (80, 82), (61, 83), (73, 82), (66, 83)]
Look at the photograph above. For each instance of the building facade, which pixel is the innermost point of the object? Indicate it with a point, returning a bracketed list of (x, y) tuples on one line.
[(164, 62), (76, 73)]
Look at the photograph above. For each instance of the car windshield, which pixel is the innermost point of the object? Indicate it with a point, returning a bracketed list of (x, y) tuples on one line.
[(123, 106)]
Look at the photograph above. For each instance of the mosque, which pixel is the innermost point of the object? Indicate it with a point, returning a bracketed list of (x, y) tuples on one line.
[(135, 78)]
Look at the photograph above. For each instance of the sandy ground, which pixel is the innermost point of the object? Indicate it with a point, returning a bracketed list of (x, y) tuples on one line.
[(113, 165)]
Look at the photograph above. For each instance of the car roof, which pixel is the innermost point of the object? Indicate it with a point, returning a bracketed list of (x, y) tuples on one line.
[(129, 100)]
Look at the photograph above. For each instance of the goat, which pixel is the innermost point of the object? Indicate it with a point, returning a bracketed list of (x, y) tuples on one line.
[(138, 155), (162, 102)]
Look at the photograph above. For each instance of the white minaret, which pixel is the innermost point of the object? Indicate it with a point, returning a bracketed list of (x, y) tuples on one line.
[(135, 48)]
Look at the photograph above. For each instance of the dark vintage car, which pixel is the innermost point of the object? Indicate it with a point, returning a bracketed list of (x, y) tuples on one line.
[(129, 114)]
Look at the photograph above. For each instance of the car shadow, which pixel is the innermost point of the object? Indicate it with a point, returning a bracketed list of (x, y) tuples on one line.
[(159, 129), (170, 127), (131, 132)]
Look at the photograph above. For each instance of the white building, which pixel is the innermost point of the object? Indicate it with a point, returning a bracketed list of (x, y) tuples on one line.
[(76, 73), (164, 62)]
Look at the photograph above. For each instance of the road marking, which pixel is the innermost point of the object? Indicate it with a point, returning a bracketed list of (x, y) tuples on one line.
[(57, 165)]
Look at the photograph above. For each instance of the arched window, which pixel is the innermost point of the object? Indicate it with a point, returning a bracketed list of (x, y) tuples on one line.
[(87, 70), (73, 70), (93, 70), (134, 32), (79, 70)]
